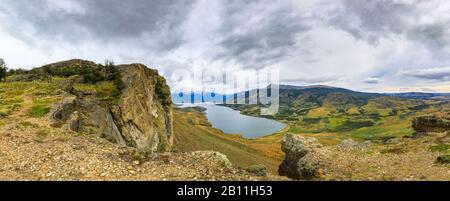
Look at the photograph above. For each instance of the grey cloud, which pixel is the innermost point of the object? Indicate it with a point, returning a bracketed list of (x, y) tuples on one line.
[(291, 35), (271, 38), (372, 20), (104, 20), (434, 35), (429, 73)]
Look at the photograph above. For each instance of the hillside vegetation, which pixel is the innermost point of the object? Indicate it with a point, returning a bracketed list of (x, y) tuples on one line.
[(332, 114), (75, 146)]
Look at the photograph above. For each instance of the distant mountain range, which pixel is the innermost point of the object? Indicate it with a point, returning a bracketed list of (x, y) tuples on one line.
[(421, 95), (289, 91)]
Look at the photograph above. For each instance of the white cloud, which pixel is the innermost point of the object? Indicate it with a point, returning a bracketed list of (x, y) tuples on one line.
[(372, 80), (331, 42)]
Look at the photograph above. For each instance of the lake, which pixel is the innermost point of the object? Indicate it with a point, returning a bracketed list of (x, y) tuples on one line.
[(233, 122)]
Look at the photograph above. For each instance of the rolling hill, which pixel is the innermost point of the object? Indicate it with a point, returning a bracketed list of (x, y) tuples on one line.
[(338, 112)]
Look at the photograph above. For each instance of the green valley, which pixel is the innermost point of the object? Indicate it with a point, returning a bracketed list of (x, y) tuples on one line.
[(332, 114)]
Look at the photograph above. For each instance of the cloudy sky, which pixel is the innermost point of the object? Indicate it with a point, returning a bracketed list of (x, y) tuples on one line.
[(376, 46)]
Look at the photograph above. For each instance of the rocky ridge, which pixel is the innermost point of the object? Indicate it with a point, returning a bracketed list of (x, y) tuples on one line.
[(142, 117)]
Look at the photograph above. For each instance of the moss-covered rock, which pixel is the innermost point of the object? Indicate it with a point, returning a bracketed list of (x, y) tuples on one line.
[(258, 170), (302, 161)]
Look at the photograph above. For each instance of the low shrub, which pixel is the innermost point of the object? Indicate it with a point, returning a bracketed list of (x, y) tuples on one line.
[(444, 159), (440, 148), (259, 170)]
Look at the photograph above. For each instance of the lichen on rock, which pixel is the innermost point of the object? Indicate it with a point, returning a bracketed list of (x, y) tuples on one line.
[(303, 161)]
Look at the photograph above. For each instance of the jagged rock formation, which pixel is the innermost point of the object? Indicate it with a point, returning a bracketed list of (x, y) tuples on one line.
[(425, 124), (303, 161), (141, 117)]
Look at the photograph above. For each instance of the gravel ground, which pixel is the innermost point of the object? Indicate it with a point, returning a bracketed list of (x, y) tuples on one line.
[(31, 149), (404, 159)]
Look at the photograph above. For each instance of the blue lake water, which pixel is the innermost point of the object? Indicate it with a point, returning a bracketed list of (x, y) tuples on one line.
[(233, 122)]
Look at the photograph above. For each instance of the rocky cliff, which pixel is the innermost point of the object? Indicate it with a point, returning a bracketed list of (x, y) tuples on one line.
[(140, 116)]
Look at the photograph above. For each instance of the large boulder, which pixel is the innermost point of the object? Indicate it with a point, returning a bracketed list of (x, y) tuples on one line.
[(141, 117), (303, 160)]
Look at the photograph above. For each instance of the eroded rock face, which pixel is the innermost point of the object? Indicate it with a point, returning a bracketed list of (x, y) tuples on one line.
[(143, 114), (141, 118), (302, 160), (425, 124)]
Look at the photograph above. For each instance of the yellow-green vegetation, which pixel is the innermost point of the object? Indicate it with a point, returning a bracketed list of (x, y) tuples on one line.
[(33, 96), (102, 79), (40, 107), (387, 127), (353, 110), (337, 113), (11, 97), (443, 148), (193, 133), (107, 90), (318, 112)]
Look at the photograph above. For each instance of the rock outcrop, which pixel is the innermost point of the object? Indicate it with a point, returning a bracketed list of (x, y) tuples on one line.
[(140, 118), (144, 111), (425, 124), (303, 160)]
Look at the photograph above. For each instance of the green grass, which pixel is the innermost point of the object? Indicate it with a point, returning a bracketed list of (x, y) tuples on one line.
[(387, 127), (107, 90), (41, 107), (39, 111), (443, 148), (11, 97)]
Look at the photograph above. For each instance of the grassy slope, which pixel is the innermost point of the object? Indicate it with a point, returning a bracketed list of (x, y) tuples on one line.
[(192, 133)]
